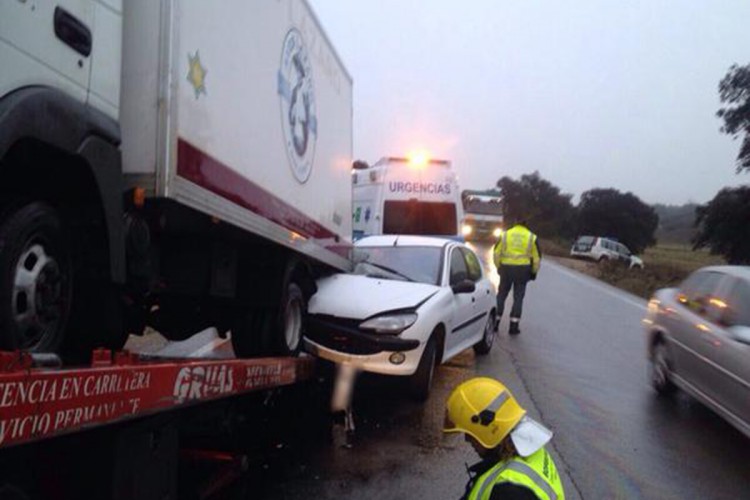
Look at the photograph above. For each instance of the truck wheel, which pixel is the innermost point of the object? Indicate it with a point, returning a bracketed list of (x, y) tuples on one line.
[(291, 321), (35, 279), (251, 332), (421, 380), (488, 338)]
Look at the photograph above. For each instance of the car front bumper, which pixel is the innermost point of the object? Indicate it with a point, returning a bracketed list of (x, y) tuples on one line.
[(342, 341), (374, 363)]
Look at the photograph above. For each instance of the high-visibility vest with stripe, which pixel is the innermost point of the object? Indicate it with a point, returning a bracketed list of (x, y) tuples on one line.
[(515, 247), (536, 472)]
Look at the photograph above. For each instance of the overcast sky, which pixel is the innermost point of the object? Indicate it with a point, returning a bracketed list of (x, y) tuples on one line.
[(591, 93)]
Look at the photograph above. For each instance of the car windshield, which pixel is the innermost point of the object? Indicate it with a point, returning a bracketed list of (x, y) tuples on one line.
[(421, 264), (585, 240)]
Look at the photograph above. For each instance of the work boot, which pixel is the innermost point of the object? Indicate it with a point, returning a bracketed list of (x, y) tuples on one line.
[(514, 330)]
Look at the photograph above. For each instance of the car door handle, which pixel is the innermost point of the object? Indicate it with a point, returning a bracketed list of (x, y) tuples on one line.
[(72, 32)]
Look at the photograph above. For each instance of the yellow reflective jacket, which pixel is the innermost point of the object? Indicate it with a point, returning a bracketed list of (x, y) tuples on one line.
[(517, 247), (536, 472)]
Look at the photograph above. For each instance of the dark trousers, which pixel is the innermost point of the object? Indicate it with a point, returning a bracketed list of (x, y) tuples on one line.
[(514, 277)]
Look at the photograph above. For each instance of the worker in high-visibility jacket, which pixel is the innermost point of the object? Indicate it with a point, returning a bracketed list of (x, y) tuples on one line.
[(516, 256), (515, 465)]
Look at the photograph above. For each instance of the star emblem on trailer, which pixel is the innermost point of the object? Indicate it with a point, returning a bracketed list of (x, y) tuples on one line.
[(197, 74)]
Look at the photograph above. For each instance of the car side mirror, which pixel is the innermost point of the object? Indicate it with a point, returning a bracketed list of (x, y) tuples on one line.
[(464, 286), (740, 333)]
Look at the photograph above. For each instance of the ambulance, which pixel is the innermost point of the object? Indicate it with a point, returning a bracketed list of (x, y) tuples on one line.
[(397, 195)]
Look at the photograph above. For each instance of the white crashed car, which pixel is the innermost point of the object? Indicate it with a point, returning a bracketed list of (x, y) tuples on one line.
[(411, 302)]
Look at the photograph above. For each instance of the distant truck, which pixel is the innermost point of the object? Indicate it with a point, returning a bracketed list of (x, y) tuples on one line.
[(174, 164), (406, 196), (483, 216)]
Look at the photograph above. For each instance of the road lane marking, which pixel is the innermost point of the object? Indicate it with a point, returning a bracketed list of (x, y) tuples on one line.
[(608, 289)]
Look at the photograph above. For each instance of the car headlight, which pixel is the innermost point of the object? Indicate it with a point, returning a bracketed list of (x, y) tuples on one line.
[(466, 229), (497, 232), (391, 324)]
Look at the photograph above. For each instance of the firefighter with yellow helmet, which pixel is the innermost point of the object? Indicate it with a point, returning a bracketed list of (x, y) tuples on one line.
[(517, 257), (515, 465)]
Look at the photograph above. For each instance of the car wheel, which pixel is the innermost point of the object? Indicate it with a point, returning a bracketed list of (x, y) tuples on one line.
[(488, 338), (35, 279), (603, 259), (421, 380), (660, 370)]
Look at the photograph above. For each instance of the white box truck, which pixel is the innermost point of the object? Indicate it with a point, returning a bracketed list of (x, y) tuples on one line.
[(406, 196), (176, 164)]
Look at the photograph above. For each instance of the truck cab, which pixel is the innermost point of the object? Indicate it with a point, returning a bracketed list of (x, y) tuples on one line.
[(406, 196), (483, 214)]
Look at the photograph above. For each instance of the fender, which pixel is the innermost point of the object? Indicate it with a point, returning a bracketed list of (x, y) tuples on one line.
[(53, 117)]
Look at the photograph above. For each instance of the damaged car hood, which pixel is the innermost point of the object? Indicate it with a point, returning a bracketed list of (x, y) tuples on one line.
[(359, 297)]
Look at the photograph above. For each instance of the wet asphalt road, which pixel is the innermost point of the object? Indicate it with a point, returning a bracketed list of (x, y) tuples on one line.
[(579, 366)]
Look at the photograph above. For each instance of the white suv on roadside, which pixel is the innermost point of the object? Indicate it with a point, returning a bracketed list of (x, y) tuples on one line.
[(604, 249)]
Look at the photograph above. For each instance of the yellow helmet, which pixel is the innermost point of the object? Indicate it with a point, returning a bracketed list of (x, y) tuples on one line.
[(483, 408)]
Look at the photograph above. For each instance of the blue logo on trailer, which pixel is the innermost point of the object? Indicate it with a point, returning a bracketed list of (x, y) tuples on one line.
[(297, 97)]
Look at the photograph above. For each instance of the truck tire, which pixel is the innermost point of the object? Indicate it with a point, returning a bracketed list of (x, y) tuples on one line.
[(251, 333), (488, 337), (292, 311), (36, 278), (421, 381)]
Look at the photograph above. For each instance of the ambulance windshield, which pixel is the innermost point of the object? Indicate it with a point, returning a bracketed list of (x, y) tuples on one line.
[(421, 218)]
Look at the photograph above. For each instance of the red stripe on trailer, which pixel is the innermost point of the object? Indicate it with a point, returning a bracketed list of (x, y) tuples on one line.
[(209, 173), (37, 403)]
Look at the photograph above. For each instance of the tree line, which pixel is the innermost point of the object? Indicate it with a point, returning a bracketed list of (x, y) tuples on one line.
[(722, 225), (600, 212)]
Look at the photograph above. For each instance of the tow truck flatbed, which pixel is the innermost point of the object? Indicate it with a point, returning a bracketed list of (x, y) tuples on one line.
[(38, 403)]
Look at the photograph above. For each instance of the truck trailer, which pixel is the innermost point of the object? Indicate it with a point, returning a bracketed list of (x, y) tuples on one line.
[(174, 164)]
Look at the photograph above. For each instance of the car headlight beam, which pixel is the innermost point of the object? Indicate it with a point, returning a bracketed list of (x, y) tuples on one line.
[(390, 324)]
